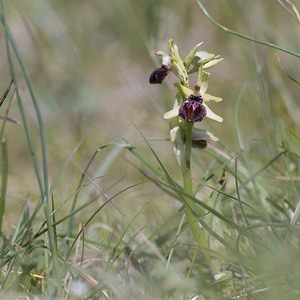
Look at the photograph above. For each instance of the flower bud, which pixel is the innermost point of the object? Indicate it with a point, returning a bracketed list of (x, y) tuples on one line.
[(201, 144), (159, 74)]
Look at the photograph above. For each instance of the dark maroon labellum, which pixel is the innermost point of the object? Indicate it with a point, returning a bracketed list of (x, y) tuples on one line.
[(195, 98), (159, 74), (192, 110)]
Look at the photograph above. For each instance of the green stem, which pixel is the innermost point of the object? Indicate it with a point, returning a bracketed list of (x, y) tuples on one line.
[(187, 176), (188, 188)]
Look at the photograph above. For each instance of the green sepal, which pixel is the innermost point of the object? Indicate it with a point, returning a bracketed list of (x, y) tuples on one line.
[(199, 134), (177, 65), (189, 58), (172, 113), (208, 98), (202, 82), (203, 57), (184, 91), (178, 145), (212, 63), (176, 133), (211, 115), (205, 60)]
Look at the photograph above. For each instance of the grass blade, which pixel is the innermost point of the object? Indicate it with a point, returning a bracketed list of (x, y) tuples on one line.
[(244, 36), (4, 180), (43, 183)]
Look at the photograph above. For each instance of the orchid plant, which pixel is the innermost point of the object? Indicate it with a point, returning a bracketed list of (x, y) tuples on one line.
[(190, 106)]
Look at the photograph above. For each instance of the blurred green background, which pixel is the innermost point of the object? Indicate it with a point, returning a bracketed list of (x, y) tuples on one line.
[(90, 62)]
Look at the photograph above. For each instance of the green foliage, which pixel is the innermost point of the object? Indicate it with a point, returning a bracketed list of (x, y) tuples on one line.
[(85, 214)]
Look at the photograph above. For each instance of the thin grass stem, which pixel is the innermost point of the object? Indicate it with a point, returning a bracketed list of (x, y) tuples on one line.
[(4, 180), (244, 36)]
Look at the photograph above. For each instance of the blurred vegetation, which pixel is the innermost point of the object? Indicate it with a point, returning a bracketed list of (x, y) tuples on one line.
[(89, 63)]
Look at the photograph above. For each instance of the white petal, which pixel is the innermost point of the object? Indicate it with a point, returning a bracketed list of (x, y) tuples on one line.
[(172, 113), (210, 114), (208, 97)]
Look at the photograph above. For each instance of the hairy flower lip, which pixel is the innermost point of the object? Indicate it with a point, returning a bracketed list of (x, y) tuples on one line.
[(159, 74), (197, 98), (192, 110)]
